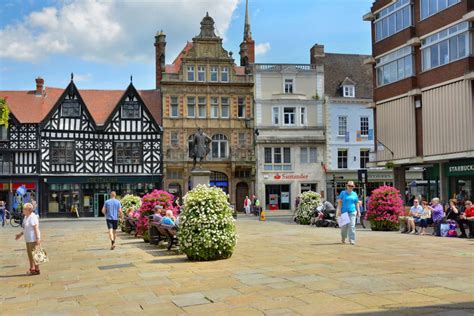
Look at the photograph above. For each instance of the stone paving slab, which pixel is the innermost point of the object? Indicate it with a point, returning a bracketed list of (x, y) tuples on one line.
[(277, 269)]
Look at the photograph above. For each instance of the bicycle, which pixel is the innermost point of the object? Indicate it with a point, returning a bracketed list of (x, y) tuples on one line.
[(15, 219)]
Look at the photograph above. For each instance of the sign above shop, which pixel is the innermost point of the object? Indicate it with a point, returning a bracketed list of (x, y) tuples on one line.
[(464, 168), (290, 176)]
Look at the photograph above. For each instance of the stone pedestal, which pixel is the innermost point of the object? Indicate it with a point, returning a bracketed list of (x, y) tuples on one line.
[(200, 176)]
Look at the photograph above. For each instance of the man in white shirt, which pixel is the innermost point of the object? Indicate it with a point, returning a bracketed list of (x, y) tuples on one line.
[(415, 212)]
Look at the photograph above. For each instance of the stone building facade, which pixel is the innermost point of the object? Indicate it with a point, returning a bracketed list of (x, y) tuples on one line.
[(204, 88)]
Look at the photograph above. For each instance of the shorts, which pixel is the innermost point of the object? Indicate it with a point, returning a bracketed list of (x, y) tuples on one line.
[(112, 224)]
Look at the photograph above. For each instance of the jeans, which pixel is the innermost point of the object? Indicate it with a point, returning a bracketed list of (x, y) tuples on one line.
[(349, 228), (2, 216)]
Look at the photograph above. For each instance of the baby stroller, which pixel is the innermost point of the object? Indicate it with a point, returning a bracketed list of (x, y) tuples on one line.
[(325, 216)]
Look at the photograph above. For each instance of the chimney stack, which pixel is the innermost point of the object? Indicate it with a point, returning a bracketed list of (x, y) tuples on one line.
[(39, 86), (160, 45), (317, 51)]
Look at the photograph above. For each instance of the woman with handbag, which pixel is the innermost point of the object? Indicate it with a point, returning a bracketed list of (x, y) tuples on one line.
[(32, 236)]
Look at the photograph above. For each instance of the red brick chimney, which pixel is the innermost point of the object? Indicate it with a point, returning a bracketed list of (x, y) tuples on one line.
[(317, 51), (160, 45), (39, 86)]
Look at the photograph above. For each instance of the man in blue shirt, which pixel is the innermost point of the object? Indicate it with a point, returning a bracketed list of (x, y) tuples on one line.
[(112, 210)]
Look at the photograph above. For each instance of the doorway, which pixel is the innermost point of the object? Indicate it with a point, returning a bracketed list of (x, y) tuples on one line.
[(242, 190), (277, 197), (99, 200)]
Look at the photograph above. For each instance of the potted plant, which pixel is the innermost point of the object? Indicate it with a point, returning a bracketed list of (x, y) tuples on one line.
[(384, 208), (129, 202), (206, 226), (307, 202)]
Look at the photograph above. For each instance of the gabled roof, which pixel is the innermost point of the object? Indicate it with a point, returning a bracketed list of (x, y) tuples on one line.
[(348, 82), (338, 67), (28, 107)]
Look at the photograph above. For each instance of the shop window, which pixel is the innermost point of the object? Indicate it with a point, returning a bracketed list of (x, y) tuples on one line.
[(277, 158), (219, 146), (241, 107), (131, 110), (128, 153), (342, 158), (62, 152), (70, 108)]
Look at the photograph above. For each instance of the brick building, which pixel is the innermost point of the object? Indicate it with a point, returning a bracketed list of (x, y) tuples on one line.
[(423, 91)]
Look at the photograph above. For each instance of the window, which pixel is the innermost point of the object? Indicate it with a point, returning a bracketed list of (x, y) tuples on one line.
[(241, 107), (70, 108), (225, 107), (174, 107), (201, 73), (242, 139), (392, 19), (364, 158), (219, 146), (342, 158), (308, 155), (364, 126), (289, 116), (276, 116), (191, 107), (174, 139), (62, 152), (224, 74), (190, 143), (3, 132), (302, 116), (128, 153), (277, 158), (213, 74), (445, 46), (202, 107), (214, 107), (342, 127), (131, 110), (348, 91), (430, 7), (175, 174), (394, 66), (288, 85), (243, 173), (190, 70)]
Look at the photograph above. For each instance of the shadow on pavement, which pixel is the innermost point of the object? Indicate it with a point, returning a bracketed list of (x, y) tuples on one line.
[(328, 244), (466, 308), (175, 259), (14, 276)]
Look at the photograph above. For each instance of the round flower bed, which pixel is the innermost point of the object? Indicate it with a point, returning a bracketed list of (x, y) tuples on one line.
[(206, 226), (307, 202), (157, 197), (129, 202), (384, 208)]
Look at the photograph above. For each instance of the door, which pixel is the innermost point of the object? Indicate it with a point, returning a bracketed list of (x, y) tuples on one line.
[(242, 191), (99, 200)]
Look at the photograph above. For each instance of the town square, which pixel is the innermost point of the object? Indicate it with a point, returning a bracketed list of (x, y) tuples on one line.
[(244, 157)]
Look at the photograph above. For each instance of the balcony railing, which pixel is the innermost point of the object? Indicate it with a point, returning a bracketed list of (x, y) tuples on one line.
[(280, 67)]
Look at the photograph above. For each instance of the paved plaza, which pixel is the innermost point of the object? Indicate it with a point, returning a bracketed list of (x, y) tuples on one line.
[(277, 269)]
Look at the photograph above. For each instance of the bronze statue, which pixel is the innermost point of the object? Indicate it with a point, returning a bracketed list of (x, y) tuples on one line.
[(199, 147)]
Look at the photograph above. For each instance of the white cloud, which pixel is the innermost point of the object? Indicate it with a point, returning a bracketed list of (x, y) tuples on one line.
[(82, 77), (111, 31), (262, 49)]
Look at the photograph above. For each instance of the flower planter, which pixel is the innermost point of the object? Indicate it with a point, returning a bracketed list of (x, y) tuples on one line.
[(384, 209), (308, 201)]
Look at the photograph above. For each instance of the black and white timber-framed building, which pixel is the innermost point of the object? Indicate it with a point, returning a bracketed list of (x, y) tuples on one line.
[(71, 147)]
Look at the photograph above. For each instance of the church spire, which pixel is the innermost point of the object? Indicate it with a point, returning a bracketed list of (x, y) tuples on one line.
[(247, 31)]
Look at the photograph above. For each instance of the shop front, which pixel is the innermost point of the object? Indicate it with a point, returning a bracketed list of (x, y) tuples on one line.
[(460, 175), (8, 192), (64, 196)]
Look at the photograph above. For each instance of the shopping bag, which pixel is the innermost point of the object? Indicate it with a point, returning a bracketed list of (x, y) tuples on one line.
[(444, 229), (343, 220), (40, 256)]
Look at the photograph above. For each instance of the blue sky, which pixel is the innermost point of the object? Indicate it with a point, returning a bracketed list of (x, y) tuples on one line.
[(104, 42)]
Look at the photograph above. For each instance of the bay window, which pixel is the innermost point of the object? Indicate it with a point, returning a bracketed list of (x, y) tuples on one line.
[(394, 66), (431, 7), (393, 19)]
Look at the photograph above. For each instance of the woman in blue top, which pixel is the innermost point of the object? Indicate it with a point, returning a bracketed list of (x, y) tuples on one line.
[(348, 202)]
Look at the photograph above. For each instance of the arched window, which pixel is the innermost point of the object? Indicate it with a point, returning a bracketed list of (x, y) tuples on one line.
[(219, 146)]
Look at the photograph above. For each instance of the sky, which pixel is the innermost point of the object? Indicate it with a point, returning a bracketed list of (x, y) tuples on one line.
[(105, 42)]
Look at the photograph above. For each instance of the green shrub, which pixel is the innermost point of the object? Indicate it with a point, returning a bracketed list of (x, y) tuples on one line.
[(129, 201), (206, 226), (308, 201)]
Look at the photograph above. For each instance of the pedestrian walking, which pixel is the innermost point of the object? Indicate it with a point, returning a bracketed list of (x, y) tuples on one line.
[(247, 204), (348, 202), (112, 210), (32, 236), (2, 212)]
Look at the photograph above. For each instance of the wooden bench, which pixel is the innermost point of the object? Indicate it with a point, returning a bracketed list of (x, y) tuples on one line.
[(159, 232), (130, 224)]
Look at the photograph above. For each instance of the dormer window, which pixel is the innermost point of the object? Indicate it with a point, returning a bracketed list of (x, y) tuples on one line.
[(70, 108), (348, 91), (288, 86), (131, 109)]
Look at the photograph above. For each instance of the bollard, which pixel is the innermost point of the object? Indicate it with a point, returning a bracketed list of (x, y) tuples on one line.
[(262, 215)]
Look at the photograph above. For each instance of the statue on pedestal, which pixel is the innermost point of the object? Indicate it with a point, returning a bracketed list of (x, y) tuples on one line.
[(199, 148)]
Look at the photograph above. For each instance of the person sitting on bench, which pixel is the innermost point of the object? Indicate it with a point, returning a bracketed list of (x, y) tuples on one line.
[(467, 217), (415, 212), (169, 218), (159, 213)]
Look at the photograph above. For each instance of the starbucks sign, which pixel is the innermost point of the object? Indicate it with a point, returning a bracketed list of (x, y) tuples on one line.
[(460, 169)]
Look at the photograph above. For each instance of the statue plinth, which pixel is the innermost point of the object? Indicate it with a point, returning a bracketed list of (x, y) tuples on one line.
[(200, 176)]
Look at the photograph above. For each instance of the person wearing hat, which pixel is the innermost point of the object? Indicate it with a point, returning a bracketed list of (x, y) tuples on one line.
[(348, 202)]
